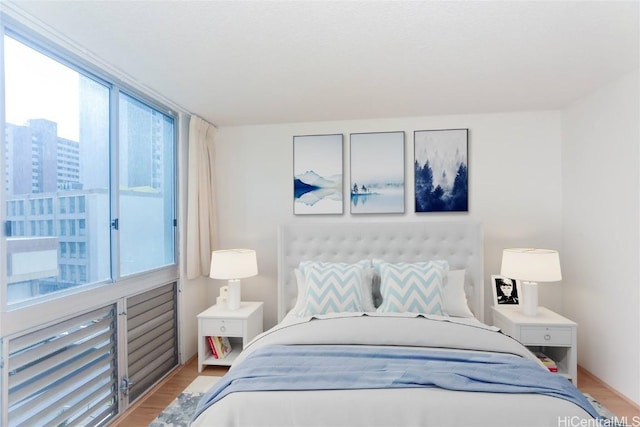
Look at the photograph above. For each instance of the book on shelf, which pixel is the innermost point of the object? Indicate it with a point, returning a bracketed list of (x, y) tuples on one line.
[(212, 347), (222, 346), (547, 361)]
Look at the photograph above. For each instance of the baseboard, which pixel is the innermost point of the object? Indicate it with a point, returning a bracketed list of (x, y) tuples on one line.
[(611, 389)]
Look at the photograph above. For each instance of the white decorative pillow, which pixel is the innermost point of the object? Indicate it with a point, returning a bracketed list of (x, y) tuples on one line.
[(413, 288), (331, 287), (367, 290), (302, 289), (454, 298)]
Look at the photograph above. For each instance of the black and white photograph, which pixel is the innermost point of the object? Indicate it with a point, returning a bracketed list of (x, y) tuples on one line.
[(506, 292)]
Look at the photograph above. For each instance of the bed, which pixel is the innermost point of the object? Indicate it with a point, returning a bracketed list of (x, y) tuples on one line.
[(382, 324)]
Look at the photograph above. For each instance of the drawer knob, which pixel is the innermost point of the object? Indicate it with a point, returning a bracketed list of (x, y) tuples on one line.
[(547, 337), (222, 328)]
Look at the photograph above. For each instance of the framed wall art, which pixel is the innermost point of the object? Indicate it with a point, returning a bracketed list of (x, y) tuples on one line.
[(441, 180), (317, 174), (506, 292), (377, 172)]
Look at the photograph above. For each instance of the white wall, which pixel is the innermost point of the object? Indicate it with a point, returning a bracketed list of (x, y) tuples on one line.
[(514, 186), (601, 226)]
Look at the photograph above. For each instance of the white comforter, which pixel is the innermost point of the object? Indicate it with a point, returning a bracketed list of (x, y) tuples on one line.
[(389, 407)]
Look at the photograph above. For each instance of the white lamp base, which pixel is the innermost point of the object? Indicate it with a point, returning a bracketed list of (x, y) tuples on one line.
[(233, 300), (530, 291)]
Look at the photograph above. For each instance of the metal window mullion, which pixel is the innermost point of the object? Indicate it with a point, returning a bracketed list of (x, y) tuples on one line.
[(4, 382), (114, 138), (123, 353), (3, 195)]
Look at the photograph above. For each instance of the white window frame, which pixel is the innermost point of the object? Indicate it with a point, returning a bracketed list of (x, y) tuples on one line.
[(18, 319)]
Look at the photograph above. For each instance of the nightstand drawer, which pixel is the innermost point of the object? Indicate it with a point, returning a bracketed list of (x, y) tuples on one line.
[(541, 335), (222, 327)]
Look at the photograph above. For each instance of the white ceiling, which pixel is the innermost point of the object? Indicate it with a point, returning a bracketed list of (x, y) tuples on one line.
[(254, 62)]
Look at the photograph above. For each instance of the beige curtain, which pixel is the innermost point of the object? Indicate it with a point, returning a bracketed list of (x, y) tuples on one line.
[(201, 213)]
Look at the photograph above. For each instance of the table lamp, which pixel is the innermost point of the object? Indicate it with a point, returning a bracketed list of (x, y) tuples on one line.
[(531, 266), (233, 265)]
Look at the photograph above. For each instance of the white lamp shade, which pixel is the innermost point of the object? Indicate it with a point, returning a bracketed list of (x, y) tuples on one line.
[(532, 265), (232, 264)]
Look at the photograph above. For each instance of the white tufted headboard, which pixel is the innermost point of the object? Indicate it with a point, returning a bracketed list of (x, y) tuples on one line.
[(459, 242)]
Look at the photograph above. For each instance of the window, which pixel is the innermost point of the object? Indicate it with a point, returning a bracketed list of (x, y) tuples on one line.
[(146, 185), (44, 389), (87, 221), (58, 149)]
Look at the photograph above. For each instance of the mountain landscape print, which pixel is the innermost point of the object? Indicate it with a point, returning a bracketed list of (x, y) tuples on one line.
[(441, 170), (317, 170), (377, 172)]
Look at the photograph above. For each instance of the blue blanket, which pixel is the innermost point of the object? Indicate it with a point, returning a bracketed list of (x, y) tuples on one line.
[(324, 367)]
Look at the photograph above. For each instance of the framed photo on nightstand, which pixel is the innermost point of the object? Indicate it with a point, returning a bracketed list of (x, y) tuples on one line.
[(506, 292)]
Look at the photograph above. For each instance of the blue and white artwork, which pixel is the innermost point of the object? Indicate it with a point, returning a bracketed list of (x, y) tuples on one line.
[(377, 172), (441, 182), (317, 170)]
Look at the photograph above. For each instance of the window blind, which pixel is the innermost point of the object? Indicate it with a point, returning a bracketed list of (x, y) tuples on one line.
[(65, 374), (152, 340)]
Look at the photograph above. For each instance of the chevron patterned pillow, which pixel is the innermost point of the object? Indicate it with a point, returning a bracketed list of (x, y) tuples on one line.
[(412, 288), (331, 287)]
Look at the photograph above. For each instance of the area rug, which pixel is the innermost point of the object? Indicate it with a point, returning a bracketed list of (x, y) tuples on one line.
[(179, 412)]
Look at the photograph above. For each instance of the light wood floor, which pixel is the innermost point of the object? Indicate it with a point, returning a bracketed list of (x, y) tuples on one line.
[(145, 411)]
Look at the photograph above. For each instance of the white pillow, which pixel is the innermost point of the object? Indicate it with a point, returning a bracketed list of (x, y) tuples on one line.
[(367, 291), (412, 287), (301, 291), (331, 287), (454, 298)]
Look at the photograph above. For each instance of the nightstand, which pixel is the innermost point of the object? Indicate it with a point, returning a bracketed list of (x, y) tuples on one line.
[(240, 326), (548, 332)]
